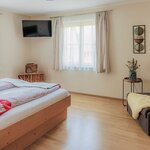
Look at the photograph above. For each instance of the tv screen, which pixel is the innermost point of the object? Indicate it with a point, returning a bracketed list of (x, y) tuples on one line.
[(37, 28)]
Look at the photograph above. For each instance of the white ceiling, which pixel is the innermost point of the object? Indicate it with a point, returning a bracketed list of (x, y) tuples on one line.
[(48, 6)]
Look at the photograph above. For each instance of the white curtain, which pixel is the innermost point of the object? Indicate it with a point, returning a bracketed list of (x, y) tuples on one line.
[(79, 43), (57, 42), (102, 42)]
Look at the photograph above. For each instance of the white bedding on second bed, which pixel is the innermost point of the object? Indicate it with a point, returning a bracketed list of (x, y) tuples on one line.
[(20, 112)]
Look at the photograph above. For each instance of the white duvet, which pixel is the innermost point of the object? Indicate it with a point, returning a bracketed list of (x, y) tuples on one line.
[(22, 83), (19, 92), (18, 96), (23, 111)]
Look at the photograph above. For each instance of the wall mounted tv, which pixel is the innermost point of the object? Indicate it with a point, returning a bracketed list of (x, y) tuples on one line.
[(37, 28)]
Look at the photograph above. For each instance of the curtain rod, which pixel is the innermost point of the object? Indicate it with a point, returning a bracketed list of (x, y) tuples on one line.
[(81, 14)]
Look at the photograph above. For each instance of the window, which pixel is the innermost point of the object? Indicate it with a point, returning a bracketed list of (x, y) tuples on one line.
[(79, 43)]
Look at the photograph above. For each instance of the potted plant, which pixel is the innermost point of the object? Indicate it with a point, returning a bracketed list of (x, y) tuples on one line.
[(133, 66)]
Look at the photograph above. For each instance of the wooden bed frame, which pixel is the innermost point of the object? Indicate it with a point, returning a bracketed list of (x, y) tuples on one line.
[(25, 132)]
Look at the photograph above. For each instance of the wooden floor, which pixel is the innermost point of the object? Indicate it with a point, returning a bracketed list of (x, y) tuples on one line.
[(95, 124)]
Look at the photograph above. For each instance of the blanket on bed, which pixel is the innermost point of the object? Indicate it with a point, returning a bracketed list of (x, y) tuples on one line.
[(22, 83), (137, 102), (17, 92)]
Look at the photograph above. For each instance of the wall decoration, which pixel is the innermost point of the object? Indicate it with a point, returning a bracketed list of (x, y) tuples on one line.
[(139, 43)]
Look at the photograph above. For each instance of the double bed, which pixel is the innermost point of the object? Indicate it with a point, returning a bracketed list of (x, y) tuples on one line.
[(23, 124)]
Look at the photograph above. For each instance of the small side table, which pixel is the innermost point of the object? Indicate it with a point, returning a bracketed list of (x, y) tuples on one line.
[(132, 86)]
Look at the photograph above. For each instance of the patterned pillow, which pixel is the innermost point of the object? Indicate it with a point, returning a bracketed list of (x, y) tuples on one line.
[(4, 106)]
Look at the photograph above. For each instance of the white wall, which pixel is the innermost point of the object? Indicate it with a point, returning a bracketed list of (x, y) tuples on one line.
[(122, 18), (14, 49)]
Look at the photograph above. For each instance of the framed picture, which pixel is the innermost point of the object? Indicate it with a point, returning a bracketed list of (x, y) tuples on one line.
[(139, 42)]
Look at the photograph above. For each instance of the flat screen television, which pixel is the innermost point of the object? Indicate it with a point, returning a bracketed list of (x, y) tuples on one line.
[(37, 28)]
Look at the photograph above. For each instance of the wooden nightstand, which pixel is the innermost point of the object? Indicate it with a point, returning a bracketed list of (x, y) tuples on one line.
[(32, 77)]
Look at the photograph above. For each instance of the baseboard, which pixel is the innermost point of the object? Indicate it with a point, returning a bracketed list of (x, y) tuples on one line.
[(107, 97)]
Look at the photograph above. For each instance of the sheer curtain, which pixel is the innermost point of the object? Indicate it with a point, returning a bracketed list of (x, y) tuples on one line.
[(82, 42), (79, 43), (57, 42), (102, 42)]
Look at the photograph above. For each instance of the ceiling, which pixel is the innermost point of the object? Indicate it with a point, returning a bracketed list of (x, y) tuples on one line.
[(49, 6)]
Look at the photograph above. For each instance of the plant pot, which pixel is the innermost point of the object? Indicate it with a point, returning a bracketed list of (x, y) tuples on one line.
[(132, 75)]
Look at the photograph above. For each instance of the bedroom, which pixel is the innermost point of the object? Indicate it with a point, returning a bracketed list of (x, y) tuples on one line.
[(17, 51)]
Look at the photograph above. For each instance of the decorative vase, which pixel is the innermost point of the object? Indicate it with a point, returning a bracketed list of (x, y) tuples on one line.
[(132, 75)]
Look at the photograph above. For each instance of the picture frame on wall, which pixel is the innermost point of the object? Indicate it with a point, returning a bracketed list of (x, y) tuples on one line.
[(139, 41)]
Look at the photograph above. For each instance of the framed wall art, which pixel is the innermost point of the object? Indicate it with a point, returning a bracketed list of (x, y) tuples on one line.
[(139, 41)]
